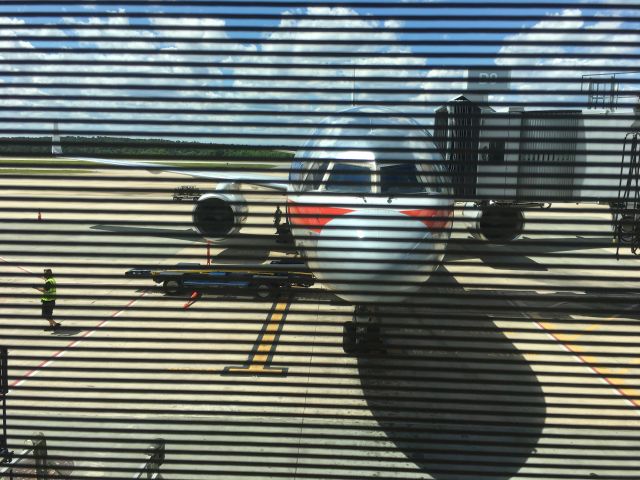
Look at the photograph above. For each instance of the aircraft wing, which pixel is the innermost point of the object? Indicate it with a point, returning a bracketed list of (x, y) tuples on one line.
[(264, 180)]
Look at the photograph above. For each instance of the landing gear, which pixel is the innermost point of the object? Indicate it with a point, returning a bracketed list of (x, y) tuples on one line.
[(362, 335), (349, 337)]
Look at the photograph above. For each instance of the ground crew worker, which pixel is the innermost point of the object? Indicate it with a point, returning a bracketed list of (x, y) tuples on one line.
[(277, 217), (48, 298)]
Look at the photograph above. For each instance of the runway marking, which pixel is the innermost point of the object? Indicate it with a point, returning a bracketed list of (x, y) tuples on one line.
[(570, 337), (69, 346), (265, 346), (607, 374)]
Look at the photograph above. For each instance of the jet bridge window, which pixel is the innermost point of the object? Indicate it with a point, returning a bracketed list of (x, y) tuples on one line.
[(347, 178), (400, 178)]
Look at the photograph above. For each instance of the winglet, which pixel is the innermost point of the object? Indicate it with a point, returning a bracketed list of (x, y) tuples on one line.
[(56, 147)]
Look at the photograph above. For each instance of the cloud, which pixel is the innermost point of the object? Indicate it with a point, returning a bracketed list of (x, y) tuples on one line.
[(98, 88), (207, 72), (560, 71), (329, 48)]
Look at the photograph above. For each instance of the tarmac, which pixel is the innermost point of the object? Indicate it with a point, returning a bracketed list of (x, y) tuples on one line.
[(519, 361)]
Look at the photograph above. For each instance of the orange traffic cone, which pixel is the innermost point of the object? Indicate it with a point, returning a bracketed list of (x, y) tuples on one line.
[(194, 297)]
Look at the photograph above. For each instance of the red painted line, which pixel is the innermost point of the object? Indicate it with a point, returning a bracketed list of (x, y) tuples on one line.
[(620, 392), (72, 344)]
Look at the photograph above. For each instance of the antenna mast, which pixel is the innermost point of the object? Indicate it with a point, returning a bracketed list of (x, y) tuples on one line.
[(353, 89)]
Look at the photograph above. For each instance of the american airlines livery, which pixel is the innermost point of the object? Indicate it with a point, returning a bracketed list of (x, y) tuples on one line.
[(369, 201)]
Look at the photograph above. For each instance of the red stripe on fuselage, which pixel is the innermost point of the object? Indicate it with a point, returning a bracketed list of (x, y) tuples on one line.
[(425, 215), (314, 217)]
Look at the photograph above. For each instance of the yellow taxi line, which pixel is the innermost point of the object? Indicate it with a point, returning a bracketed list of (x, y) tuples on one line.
[(259, 359), (609, 375)]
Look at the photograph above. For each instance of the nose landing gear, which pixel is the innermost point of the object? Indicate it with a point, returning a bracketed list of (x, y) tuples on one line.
[(362, 334)]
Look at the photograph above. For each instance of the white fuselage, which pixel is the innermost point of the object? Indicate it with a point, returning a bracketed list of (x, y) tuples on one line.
[(369, 206), (369, 249)]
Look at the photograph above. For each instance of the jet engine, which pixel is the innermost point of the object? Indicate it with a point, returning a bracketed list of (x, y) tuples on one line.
[(220, 214), (494, 222)]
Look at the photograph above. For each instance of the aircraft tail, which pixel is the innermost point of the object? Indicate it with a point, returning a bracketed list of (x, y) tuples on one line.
[(56, 146)]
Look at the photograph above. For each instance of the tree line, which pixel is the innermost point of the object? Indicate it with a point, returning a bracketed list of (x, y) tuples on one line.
[(116, 147)]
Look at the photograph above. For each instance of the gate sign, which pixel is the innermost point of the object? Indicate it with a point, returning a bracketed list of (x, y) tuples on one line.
[(489, 80)]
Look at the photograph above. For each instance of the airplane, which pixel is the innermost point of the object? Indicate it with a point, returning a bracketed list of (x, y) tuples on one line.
[(345, 203), (369, 203), (370, 216)]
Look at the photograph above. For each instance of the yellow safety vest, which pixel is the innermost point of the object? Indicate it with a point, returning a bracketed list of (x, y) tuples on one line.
[(50, 294)]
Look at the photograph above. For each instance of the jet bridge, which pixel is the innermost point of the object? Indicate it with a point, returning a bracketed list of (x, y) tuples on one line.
[(533, 156), (507, 161)]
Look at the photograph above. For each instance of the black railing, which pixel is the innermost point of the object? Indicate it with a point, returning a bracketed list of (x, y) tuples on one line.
[(626, 217), (151, 469), (5, 455)]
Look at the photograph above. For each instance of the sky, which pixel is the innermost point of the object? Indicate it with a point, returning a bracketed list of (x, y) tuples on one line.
[(255, 72)]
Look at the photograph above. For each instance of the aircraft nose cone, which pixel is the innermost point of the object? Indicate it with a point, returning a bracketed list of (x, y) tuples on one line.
[(376, 255)]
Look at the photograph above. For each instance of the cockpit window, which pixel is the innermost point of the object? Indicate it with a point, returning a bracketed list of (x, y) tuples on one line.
[(317, 173), (400, 178), (349, 178)]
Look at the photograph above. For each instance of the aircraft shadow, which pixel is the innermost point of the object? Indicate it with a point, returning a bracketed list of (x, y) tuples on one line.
[(531, 246), (512, 262), (516, 255), (453, 394), (238, 241), (243, 256), (187, 235)]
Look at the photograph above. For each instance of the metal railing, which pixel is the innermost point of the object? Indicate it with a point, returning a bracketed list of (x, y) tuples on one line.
[(150, 470), (4, 389), (34, 463)]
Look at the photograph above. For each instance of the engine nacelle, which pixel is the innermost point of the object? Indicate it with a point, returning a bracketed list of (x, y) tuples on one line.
[(220, 214), (494, 222)]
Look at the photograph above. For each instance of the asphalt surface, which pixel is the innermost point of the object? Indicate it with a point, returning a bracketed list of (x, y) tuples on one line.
[(503, 368)]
